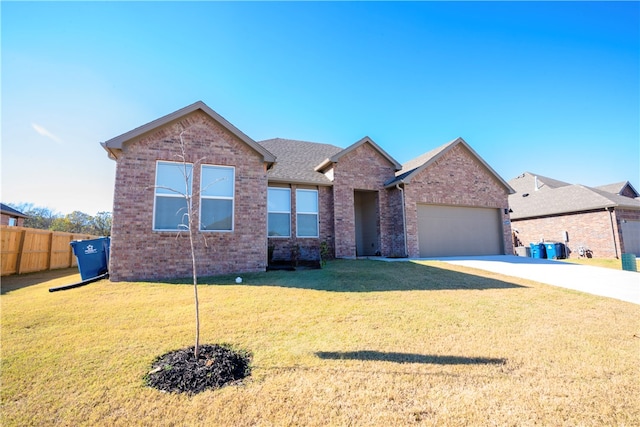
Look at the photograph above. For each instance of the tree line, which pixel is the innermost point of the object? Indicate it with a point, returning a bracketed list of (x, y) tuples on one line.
[(75, 222)]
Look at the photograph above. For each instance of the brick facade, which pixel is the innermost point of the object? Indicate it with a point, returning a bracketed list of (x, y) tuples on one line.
[(457, 178), (361, 202), (6, 218), (363, 168), (138, 252)]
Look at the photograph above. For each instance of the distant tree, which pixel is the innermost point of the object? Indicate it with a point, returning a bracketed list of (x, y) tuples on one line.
[(37, 217), (101, 224)]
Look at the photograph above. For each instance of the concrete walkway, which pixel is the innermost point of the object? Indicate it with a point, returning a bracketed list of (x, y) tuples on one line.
[(607, 282)]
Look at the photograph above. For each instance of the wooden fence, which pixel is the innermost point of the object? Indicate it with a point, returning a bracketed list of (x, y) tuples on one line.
[(27, 250)]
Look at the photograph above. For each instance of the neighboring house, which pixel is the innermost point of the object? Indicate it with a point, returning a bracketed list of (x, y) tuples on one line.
[(605, 220), (11, 216), (289, 197)]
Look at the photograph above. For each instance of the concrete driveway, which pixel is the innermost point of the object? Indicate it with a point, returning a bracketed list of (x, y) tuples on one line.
[(618, 284)]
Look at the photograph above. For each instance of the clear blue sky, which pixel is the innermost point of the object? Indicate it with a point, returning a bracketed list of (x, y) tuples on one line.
[(546, 87)]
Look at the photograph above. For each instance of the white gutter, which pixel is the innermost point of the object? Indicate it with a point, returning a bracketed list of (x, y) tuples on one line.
[(404, 219)]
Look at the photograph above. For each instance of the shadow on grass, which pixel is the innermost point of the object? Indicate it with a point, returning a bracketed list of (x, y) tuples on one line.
[(381, 356), (363, 276), (19, 281)]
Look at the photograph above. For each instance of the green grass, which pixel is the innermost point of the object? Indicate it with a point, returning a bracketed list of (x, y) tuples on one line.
[(601, 262), (357, 343)]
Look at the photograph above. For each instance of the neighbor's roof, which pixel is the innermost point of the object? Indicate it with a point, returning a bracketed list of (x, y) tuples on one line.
[(115, 144), (297, 160), (415, 166), (555, 197), (618, 188), (8, 210)]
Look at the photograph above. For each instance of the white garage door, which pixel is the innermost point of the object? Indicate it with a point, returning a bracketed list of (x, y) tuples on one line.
[(631, 237), (458, 231)]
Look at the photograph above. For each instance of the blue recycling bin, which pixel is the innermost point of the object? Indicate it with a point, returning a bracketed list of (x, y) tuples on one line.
[(92, 256), (538, 250), (554, 250)]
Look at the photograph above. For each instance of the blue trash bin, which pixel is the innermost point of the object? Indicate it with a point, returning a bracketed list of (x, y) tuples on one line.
[(538, 250), (92, 256), (554, 250)]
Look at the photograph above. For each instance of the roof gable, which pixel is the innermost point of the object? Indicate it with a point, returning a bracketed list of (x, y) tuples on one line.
[(366, 140), (623, 188), (420, 163), (114, 145)]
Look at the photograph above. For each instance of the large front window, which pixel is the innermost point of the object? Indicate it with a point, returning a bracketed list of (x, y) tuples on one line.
[(216, 198), (307, 213), (173, 182), (279, 207)]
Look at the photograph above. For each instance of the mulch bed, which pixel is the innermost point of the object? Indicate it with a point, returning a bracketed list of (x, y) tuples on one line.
[(217, 365)]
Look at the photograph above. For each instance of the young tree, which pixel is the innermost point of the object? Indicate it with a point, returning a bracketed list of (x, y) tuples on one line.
[(190, 226)]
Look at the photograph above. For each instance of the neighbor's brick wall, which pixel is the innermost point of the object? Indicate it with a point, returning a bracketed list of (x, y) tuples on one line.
[(138, 253), (364, 168), (309, 247), (455, 179), (5, 220), (589, 229)]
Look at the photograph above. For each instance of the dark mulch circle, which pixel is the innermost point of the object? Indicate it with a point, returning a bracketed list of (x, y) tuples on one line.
[(217, 365)]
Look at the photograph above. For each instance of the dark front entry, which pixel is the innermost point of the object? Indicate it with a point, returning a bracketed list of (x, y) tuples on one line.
[(367, 223)]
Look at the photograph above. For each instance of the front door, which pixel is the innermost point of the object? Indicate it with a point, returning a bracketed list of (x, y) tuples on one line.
[(367, 223)]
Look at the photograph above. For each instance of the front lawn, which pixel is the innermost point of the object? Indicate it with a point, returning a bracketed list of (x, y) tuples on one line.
[(356, 343)]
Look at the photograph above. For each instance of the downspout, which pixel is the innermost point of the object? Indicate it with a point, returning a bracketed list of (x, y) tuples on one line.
[(613, 231), (404, 219)]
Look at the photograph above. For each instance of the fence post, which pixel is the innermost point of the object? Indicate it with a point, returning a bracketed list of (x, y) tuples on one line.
[(23, 233), (50, 255)]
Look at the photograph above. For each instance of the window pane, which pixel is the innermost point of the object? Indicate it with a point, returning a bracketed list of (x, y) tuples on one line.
[(216, 181), (216, 214), (279, 200), (307, 201), (307, 225), (279, 224), (170, 211), (171, 175)]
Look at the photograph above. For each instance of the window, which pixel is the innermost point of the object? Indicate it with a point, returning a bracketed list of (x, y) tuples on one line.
[(13, 222), (279, 212), (170, 206), (307, 213), (216, 198)]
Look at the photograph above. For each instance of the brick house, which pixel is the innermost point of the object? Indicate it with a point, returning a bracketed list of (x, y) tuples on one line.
[(603, 221), (285, 198), (11, 216)]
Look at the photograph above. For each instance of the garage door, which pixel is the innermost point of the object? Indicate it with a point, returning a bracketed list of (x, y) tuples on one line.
[(631, 237), (456, 231)]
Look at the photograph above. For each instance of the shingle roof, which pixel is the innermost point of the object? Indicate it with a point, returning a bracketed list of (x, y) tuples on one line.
[(5, 209), (296, 160), (557, 197), (366, 140)]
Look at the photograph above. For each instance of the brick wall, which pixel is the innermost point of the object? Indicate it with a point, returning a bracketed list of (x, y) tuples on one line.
[(138, 253), (456, 179), (363, 168)]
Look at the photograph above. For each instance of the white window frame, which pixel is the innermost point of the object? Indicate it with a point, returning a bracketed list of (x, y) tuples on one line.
[(288, 190), (316, 213), (232, 197), (178, 193)]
